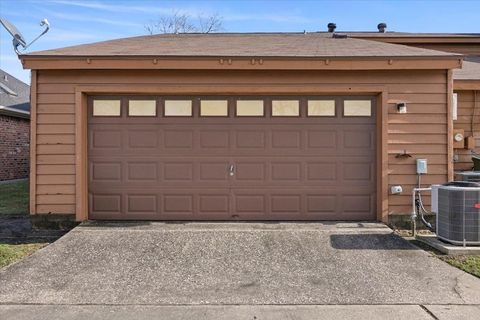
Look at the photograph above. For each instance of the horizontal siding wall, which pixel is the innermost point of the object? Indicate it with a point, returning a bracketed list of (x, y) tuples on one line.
[(467, 112), (466, 49), (422, 132)]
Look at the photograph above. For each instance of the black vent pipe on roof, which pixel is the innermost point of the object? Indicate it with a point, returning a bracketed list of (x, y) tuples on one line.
[(331, 27), (382, 27)]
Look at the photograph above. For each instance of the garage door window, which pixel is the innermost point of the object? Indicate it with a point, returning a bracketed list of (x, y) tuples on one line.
[(214, 108), (321, 108), (250, 108), (285, 108), (106, 108), (178, 108), (357, 108), (142, 108)]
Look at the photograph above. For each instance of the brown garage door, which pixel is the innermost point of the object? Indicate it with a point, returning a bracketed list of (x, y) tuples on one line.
[(224, 158)]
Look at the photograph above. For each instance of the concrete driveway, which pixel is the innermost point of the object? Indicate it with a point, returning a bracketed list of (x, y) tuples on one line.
[(150, 265)]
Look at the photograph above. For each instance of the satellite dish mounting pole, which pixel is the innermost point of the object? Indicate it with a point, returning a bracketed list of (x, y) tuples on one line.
[(18, 39)]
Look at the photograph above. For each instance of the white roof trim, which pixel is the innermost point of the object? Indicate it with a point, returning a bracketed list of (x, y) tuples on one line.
[(14, 112)]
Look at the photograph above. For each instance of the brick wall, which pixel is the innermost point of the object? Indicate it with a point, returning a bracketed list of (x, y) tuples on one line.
[(14, 148)]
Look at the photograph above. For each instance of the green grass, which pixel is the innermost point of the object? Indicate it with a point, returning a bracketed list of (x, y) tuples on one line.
[(14, 198), (470, 264), (10, 253)]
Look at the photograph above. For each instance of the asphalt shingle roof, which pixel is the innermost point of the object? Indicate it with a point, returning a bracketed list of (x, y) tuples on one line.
[(20, 101), (470, 69), (307, 45)]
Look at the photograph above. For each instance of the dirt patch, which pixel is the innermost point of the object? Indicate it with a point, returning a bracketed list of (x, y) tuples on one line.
[(19, 230)]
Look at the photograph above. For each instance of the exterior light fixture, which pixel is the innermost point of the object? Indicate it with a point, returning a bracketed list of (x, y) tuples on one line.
[(402, 107)]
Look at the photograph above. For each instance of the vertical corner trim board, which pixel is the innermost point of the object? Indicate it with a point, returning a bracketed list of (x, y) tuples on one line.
[(450, 124), (33, 142)]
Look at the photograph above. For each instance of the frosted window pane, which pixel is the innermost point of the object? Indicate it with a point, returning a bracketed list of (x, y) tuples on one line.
[(357, 108), (250, 108), (285, 108), (178, 108), (142, 108), (106, 108), (321, 108), (214, 108)]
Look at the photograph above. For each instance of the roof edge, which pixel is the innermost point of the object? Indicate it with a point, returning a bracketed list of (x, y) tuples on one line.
[(243, 63), (152, 56), (14, 112)]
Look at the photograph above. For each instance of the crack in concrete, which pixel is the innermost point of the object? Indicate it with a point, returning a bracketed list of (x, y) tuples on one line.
[(429, 312), (457, 289)]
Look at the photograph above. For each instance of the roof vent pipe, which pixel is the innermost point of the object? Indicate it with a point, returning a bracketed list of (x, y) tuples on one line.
[(331, 27), (382, 27)]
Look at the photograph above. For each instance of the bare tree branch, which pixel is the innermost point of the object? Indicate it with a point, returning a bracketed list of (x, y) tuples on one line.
[(181, 23), (210, 24)]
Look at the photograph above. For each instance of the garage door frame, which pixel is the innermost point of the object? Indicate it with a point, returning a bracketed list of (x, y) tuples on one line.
[(81, 121)]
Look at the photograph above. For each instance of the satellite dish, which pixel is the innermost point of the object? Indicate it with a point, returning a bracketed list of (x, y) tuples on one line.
[(18, 39)]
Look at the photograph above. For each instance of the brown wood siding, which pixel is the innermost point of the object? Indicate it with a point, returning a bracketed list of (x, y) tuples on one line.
[(422, 132), (466, 109), (466, 49)]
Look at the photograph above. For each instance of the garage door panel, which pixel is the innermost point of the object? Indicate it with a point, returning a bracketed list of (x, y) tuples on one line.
[(286, 171), (241, 168), (357, 203), (105, 171), (181, 204), (358, 171), (321, 171), (142, 171), (248, 172), (142, 204), (213, 171), (105, 139), (322, 139), (178, 139), (286, 139), (214, 139), (360, 142), (106, 203), (250, 139), (285, 203), (142, 139), (249, 204), (176, 171), (321, 203), (214, 203)]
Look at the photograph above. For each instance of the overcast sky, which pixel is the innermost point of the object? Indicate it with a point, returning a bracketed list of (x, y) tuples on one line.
[(84, 21)]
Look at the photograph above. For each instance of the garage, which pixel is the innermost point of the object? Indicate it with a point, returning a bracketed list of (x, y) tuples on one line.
[(273, 127), (232, 157)]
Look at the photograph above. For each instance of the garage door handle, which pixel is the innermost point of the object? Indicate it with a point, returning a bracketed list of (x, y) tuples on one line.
[(231, 170)]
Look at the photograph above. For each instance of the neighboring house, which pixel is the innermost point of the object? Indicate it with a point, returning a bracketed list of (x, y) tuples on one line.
[(466, 80), (261, 126), (14, 127)]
